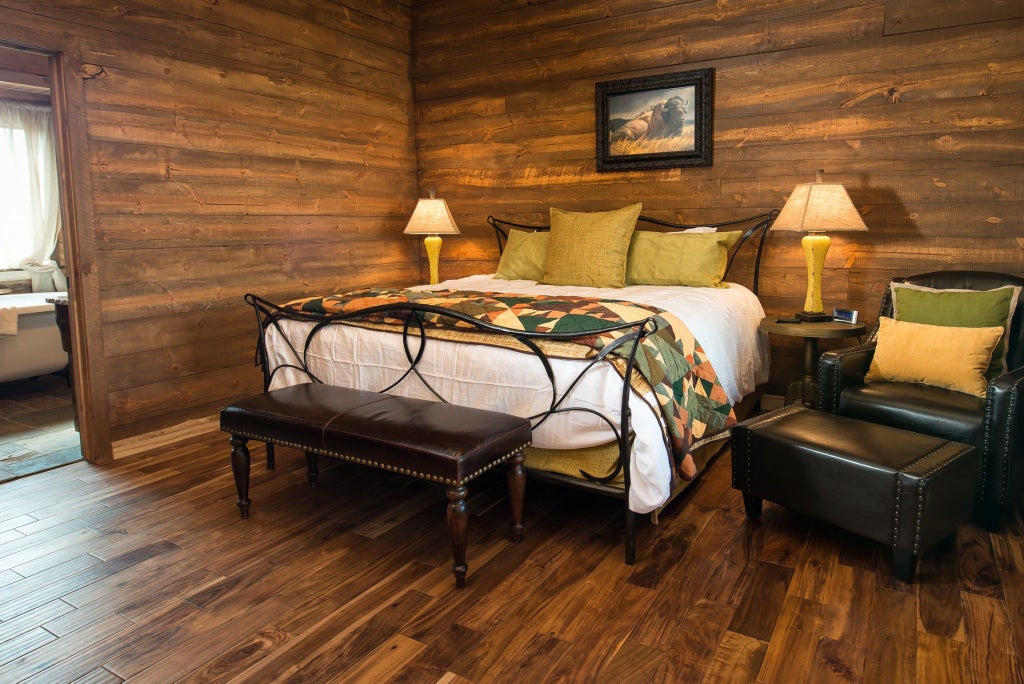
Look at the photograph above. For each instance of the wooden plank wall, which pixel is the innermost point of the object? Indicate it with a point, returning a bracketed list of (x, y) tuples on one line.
[(24, 76), (235, 146), (914, 106), (269, 145)]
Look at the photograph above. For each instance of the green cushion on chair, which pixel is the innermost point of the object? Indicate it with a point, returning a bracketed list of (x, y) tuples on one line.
[(961, 309)]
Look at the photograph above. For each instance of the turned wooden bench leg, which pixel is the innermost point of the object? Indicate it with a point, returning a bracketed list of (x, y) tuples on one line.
[(271, 464), (240, 469), (516, 491), (458, 526)]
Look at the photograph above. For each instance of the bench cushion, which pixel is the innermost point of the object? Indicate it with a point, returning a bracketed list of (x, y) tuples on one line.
[(427, 439)]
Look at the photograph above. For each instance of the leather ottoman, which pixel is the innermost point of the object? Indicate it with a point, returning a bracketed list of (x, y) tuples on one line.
[(900, 488)]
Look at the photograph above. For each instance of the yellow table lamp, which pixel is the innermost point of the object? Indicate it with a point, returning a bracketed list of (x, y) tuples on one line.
[(432, 218), (814, 208)]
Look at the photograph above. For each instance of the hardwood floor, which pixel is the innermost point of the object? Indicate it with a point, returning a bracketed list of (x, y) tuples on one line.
[(143, 571), (37, 430)]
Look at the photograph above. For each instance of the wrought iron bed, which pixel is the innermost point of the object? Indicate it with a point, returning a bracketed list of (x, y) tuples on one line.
[(416, 339)]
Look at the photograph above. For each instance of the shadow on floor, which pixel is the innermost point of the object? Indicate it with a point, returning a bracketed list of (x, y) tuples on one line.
[(37, 429)]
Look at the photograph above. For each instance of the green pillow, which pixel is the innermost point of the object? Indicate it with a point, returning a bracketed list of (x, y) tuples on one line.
[(961, 309), (694, 259), (589, 248), (523, 256)]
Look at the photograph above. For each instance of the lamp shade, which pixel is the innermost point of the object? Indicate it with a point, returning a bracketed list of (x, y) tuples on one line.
[(431, 217), (819, 207)]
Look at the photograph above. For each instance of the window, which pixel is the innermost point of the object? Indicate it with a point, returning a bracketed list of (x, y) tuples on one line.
[(15, 198), (29, 194)]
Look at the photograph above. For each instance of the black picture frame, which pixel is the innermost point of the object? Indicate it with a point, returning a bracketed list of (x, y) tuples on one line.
[(626, 138)]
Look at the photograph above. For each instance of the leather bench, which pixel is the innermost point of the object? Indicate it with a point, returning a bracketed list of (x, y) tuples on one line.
[(900, 488), (430, 440)]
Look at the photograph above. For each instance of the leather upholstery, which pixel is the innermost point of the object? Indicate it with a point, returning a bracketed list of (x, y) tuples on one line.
[(994, 425), (935, 411), (901, 488), (427, 439)]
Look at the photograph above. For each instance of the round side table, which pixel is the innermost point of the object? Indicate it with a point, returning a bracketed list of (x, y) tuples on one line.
[(811, 332)]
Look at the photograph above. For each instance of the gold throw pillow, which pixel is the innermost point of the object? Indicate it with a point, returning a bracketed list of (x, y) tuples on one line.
[(936, 355)]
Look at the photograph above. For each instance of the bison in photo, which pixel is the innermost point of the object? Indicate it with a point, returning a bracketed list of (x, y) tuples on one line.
[(666, 119)]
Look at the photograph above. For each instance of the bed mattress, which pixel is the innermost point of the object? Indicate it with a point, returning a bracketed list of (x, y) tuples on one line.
[(724, 321)]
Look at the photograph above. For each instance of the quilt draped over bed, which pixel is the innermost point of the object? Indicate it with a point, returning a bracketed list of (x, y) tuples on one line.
[(691, 399)]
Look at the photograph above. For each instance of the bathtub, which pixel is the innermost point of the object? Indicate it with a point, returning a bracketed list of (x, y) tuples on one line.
[(36, 348)]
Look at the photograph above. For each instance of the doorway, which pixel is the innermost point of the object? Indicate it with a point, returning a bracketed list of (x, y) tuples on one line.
[(38, 421), (37, 430)]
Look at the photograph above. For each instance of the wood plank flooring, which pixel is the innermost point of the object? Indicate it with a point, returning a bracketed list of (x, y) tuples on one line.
[(37, 430), (143, 571)]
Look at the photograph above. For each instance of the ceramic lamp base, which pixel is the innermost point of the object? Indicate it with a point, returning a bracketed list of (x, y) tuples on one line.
[(815, 248), (432, 243)]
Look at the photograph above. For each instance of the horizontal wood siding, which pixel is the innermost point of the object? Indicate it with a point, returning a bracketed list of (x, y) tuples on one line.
[(24, 76), (915, 107), (235, 146), (279, 145)]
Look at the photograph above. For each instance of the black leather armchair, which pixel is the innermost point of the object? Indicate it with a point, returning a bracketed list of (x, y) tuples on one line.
[(995, 424)]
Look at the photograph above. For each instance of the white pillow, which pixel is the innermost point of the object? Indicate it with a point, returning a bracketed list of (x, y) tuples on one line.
[(695, 229)]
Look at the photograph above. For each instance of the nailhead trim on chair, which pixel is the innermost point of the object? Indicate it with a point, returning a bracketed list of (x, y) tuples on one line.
[(987, 434), (897, 511), (383, 466), (1004, 475), (837, 370)]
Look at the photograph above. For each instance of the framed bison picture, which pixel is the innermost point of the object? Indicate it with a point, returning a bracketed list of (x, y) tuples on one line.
[(655, 122)]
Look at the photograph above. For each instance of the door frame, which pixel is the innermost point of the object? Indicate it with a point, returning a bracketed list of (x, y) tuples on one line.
[(67, 96)]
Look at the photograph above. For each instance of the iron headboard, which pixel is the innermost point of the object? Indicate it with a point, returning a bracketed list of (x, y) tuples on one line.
[(757, 224)]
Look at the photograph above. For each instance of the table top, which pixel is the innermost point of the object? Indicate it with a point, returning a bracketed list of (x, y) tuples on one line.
[(825, 329)]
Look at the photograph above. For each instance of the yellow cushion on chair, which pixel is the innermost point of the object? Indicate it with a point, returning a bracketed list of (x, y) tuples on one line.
[(936, 355), (959, 308)]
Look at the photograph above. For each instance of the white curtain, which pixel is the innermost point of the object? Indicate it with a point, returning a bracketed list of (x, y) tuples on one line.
[(29, 194)]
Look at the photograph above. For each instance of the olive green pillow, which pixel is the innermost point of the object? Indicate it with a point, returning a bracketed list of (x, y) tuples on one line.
[(694, 259), (523, 256), (936, 355), (589, 248), (959, 308)]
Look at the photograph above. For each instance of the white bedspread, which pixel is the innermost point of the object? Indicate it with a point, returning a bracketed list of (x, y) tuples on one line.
[(724, 321)]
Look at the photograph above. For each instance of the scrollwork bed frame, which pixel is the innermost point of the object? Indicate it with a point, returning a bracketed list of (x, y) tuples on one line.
[(415, 337)]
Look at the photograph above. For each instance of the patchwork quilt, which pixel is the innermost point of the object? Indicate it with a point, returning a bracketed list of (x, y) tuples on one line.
[(693, 403)]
